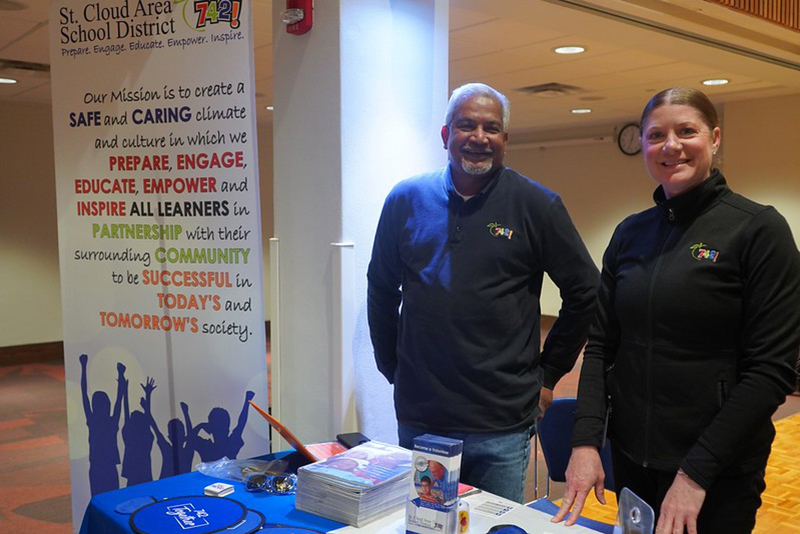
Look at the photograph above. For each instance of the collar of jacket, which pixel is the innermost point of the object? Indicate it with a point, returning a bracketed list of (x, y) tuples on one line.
[(450, 188), (687, 206)]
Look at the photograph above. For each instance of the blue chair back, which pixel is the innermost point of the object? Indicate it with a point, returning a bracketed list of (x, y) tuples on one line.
[(555, 435)]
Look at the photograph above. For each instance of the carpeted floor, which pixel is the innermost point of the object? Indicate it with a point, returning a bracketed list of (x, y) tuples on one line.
[(34, 456)]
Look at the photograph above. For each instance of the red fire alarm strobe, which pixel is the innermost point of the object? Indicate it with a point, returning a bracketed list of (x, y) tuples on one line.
[(299, 16)]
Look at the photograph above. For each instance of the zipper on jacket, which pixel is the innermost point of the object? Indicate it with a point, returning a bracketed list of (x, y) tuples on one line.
[(671, 215), (722, 393), (649, 351)]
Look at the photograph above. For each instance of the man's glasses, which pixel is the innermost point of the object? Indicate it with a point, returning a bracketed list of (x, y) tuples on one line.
[(277, 484)]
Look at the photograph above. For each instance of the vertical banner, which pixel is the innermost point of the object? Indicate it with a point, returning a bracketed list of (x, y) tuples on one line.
[(159, 237)]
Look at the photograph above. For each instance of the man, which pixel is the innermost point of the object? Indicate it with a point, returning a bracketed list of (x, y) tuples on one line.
[(464, 250)]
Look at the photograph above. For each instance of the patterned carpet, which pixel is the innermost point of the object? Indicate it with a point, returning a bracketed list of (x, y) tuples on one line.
[(34, 465)]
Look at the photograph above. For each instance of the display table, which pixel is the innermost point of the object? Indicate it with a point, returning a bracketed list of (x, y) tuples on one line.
[(101, 517), (487, 511)]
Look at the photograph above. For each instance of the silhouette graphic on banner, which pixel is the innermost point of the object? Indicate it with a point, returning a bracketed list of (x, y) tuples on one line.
[(221, 444), (103, 426), (140, 429), (177, 451), (138, 440)]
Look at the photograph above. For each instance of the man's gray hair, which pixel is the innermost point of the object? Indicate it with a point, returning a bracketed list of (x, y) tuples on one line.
[(470, 90)]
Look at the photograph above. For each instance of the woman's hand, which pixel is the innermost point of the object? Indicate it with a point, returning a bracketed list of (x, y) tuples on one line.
[(681, 506), (584, 472)]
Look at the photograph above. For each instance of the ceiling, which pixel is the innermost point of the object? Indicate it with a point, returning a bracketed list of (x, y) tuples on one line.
[(633, 50)]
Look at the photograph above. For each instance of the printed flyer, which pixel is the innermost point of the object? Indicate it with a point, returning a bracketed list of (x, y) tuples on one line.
[(159, 237)]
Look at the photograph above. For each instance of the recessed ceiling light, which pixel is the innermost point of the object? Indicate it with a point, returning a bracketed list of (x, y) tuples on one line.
[(8, 80), (579, 111), (569, 50), (269, 108), (716, 81)]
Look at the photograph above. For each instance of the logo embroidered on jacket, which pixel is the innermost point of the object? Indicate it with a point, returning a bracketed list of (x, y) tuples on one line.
[(700, 251), (498, 231)]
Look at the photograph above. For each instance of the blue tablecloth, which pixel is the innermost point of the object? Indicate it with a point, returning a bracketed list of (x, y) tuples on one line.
[(100, 517)]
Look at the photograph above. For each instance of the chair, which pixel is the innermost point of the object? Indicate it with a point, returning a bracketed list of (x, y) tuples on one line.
[(554, 432)]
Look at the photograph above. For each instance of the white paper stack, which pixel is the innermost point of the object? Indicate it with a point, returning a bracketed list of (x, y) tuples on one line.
[(357, 486)]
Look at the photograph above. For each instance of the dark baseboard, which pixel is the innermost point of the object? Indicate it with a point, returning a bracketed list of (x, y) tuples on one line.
[(34, 353)]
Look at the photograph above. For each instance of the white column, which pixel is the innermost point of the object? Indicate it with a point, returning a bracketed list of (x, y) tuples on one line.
[(359, 101)]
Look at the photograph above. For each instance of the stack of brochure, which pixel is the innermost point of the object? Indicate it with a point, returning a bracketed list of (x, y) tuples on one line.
[(357, 486)]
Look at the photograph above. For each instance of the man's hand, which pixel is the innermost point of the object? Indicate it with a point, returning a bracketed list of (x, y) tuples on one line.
[(585, 471), (545, 400), (681, 506)]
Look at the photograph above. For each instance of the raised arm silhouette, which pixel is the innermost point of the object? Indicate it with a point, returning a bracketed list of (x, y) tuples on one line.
[(103, 427)]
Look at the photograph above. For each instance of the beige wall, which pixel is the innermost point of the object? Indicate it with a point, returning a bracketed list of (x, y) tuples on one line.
[(30, 295), (761, 140), (598, 183)]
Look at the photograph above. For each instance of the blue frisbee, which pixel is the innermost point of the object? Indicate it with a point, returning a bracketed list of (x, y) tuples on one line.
[(198, 514)]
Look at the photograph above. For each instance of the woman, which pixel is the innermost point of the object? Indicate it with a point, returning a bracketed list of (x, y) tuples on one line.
[(697, 331)]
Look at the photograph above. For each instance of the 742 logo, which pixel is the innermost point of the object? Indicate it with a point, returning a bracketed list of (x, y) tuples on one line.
[(216, 11)]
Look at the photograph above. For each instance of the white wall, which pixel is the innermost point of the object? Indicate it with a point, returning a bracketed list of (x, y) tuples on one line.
[(396, 108), (347, 116), (307, 162), (265, 159)]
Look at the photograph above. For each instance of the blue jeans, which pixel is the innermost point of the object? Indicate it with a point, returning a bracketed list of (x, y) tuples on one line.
[(493, 461)]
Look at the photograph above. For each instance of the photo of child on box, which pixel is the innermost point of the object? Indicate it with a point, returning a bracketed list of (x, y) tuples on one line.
[(433, 497)]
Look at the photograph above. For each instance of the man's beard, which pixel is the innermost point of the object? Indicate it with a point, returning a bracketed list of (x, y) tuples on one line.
[(476, 169)]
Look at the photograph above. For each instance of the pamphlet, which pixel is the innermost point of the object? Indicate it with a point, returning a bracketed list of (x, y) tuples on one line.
[(356, 486)]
